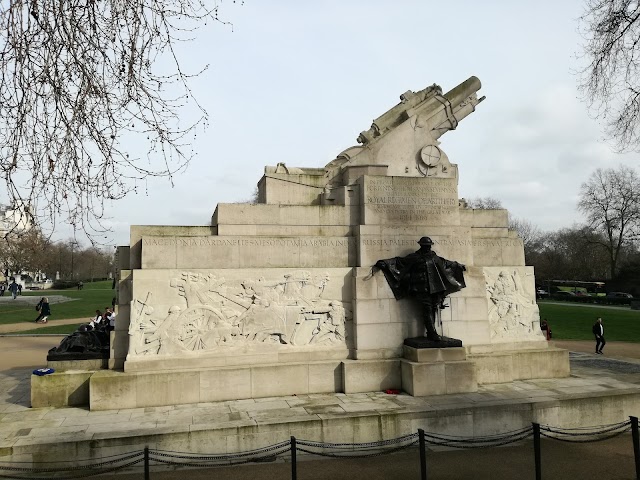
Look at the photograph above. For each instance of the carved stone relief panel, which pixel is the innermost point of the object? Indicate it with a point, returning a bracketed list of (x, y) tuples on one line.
[(208, 313), (513, 312)]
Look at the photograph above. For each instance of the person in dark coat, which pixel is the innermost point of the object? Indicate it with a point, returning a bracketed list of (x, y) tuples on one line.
[(598, 331), (13, 288), (44, 309), (425, 276)]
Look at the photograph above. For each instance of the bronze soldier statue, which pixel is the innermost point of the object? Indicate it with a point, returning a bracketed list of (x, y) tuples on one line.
[(425, 276)]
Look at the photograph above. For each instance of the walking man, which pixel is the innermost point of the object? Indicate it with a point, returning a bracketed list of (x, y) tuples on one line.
[(13, 288), (598, 331)]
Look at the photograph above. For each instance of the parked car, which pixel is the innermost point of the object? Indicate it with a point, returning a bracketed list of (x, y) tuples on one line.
[(619, 295), (542, 293)]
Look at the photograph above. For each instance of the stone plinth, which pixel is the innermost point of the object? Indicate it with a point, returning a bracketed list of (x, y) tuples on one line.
[(148, 389), (66, 389), (509, 365), (437, 371)]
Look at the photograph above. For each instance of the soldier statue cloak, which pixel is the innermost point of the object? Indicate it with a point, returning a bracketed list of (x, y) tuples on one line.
[(425, 276)]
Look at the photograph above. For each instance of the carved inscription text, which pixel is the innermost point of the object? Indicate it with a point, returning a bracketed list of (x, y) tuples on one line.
[(411, 199)]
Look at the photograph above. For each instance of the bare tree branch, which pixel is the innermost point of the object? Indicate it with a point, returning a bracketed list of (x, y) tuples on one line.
[(88, 89), (485, 203), (610, 82)]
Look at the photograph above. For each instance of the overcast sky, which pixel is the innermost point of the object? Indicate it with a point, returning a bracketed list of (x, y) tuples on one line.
[(296, 82)]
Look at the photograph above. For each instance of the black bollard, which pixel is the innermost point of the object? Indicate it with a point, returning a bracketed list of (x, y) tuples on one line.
[(146, 463), (423, 455), (636, 444), (294, 467), (536, 450)]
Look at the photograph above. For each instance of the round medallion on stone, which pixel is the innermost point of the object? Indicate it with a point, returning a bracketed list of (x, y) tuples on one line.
[(430, 155)]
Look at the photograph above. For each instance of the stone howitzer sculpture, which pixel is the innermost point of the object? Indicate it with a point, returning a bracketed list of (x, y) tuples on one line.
[(420, 118)]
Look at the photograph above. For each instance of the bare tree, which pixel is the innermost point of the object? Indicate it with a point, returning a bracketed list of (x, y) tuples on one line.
[(611, 203), (531, 235), (25, 252), (610, 81), (567, 254), (88, 89), (485, 203)]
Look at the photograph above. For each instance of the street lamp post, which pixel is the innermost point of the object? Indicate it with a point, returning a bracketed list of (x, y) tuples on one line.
[(73, 245)]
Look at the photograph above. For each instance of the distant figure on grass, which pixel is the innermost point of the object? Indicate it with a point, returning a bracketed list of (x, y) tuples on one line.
[(598, 331), (19, 289), (13, 288), (2, 289), (80, 285), (44, 309), (544, 326)]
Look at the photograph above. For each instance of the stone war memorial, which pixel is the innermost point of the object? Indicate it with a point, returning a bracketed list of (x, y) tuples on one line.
[(283, 297)]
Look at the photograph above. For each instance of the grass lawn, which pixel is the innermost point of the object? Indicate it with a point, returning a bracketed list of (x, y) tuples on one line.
[(93, 296), (574, 322)]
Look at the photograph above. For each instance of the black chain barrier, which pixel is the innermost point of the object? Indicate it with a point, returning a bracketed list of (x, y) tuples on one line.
[(577, 435), (57, 470), (485, 441), (260, 455), (85, 475)]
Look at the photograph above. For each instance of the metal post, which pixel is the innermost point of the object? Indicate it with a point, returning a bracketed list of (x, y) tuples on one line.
[(423, 455), (636, 444), (294, 467), (146, 463), (536, 450)]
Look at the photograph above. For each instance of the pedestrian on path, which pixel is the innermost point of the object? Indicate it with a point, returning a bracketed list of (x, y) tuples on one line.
[(13, 288), (598, 331), (44, 309)]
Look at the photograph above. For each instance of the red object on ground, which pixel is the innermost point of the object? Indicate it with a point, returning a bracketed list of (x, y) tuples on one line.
[(392, 391)]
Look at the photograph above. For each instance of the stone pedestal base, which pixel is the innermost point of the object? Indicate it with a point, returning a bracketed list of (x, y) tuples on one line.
[(510, 365), (435, 371)]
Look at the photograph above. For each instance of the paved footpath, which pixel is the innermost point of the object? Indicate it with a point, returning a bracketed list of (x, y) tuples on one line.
[(24, 326), (591, 374)]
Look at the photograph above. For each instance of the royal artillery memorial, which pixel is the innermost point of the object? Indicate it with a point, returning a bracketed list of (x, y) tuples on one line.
[(281, 298)]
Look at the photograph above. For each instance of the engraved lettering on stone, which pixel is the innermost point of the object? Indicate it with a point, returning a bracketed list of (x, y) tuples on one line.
[(289, 310), (513, 312), (410, 200)]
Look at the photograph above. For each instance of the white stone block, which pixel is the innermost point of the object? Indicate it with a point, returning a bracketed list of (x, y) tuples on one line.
[(423, 379), (371, 375), (247, 252), (279, 380), (64, 389), (225, 384)]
